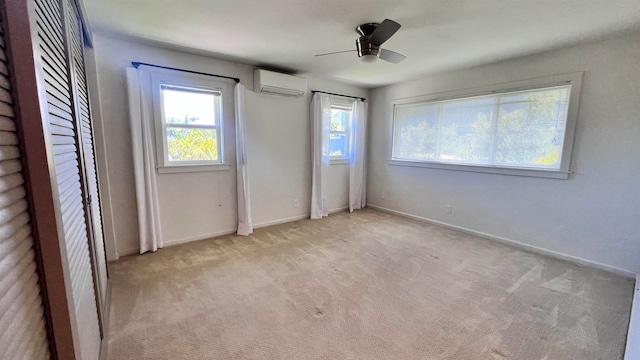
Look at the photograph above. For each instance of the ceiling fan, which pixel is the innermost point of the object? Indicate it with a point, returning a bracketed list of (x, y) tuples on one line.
[(372, 35)]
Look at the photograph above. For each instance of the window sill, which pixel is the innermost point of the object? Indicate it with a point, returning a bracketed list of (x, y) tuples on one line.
[(552, 174), (191, 168), (338, 161)]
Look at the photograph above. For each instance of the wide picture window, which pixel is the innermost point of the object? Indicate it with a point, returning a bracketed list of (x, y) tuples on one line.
[(511, 131)]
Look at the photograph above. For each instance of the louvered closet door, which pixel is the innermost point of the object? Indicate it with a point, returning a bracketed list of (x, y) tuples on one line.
[(22, 326), (65, 146), (82, 101)]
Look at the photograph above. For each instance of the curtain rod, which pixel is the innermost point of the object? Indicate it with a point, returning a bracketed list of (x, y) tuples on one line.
[(349, 96), (136, 64)]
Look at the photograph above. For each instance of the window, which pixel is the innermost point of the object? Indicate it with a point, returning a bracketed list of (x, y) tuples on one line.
[(340, 125), (191, 119), (522, 131), (189, 116)]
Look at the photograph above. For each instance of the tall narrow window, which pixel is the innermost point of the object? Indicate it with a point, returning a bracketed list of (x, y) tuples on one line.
[(191, 119), (339, 147)]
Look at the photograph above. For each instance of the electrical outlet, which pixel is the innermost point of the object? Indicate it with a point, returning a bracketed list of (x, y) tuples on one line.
[(449, 209), (295, 202)]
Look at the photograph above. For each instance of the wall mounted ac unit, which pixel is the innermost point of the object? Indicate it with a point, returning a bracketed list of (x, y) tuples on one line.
[(270, 82)]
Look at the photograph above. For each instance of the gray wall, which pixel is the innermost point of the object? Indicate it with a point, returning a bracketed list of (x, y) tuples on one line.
[(278, 151), (594, 216)]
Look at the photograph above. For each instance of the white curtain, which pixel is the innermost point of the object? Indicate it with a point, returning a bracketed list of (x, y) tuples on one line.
[(142, 133), (320, 129), (245, 226), (357, 179)]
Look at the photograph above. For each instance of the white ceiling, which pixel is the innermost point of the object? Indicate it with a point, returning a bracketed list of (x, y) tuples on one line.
[(436, 35)]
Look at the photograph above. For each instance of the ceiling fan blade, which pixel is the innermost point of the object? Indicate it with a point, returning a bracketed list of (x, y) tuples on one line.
[(391, 56), (384, 31), (336, 52)]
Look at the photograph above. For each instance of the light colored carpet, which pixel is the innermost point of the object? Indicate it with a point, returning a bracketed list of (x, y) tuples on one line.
[(367, 285)]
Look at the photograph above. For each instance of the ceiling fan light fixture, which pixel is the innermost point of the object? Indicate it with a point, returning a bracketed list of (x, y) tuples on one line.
[(370, 58)]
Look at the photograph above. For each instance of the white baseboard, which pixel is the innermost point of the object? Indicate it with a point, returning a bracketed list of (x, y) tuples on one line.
[(632, 351), (227, 232), (294, 218), (280, 221), (337, 210), (179, 241), (512, 242), (515, 243), (199, 237)]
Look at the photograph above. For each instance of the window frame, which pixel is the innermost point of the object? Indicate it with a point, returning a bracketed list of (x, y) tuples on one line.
[(573, 79), (198, 83), (344, 105)]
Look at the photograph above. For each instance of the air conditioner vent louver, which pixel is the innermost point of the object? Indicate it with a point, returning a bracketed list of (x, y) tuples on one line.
[(270, 82)]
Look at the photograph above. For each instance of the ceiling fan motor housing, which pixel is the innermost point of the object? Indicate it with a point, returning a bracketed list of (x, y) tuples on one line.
[(363, 43), (367, 29), (365, 47)]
